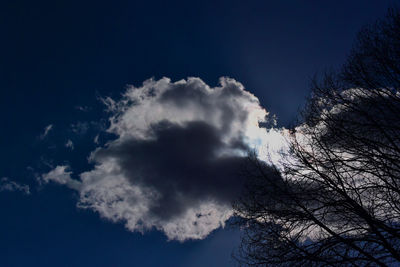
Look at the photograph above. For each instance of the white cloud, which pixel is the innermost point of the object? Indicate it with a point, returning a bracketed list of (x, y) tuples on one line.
[(173, 165), (7, 185), (116, 198), (229, 107)]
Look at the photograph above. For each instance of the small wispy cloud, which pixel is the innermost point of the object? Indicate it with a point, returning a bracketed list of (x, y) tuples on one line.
[(96, 139), (82, 108), (61, 175), (7, 185), (80, 128), (69, 144), (46, 131)]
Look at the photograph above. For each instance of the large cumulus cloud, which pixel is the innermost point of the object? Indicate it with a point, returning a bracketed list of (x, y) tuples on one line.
[(175, 164)]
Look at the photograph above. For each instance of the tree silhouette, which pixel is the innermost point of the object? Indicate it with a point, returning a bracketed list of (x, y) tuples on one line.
[(335, 198)]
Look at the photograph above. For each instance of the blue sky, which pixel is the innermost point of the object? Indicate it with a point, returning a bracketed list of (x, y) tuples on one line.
[(59, 56)]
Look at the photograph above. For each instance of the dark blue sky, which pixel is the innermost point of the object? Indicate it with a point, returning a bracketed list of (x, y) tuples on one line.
[(57, 55)]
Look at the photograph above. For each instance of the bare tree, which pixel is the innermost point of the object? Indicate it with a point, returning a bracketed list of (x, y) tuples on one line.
[(335, 200)]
